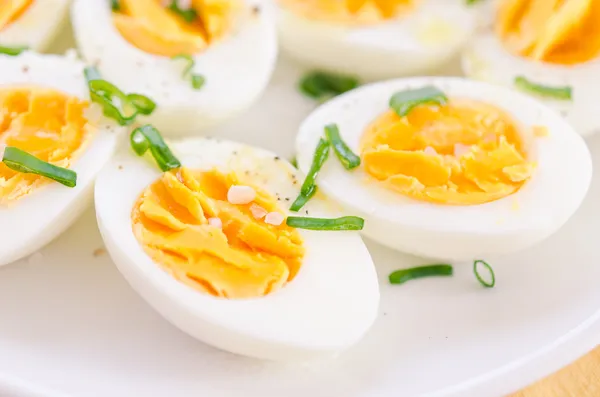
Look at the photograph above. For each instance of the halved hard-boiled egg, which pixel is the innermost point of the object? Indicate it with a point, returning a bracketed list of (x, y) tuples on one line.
[(207, 244), (550, 49), (201, 62), (374, 38), (31, 23), (46, 121), (451, 168)]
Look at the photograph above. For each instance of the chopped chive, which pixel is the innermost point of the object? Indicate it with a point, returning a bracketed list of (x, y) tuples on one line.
[(563, 93), (13, 51), (302, 199), (147, 137), (294, 162), (404, 275), (348, 159), (321, 85), (115, 103), (343, 223), (197, 79), (319, 158), (471, 2), (144, 104), (404, 101), (189, 15), (115, 5), (21, 161), (482, 281)]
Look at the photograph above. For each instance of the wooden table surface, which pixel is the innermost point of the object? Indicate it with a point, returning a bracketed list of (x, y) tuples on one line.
[(580, 379)]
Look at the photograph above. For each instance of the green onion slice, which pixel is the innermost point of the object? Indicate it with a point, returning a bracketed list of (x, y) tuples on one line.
[(143, 104), (147, 137), (115, 103), (13, 51), (302, 199), (348, 159), (21, 161), (319, 158), (404, 101), (482, 281), (404, 275), (189, 15), (321, 85), (115, 5), (197, 79), (343, 223), (562, 93)]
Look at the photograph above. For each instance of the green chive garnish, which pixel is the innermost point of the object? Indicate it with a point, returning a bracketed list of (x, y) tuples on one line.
[(348, 159), (308, 187), (197, 79), (322, 85), (294, 162), (343, 223), (404, 275), (115, 5), (21, 161), (147, 137), (482, 281), (302, 199), (189, 15), (562, 93), (115, 103), (404, 101), (13, 51), (471, 2), (144, 104)]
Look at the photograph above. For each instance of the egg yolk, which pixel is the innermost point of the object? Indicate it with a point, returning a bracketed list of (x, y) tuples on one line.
[(154, 28), (239, 257), (466, 152), (11, 10), (349, 11), (556, 31), (45, 123)]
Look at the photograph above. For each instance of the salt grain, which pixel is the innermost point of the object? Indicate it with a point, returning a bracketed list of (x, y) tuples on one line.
[(239, 194), (274, 218), (257, 211), (430, 151), (216, 222)]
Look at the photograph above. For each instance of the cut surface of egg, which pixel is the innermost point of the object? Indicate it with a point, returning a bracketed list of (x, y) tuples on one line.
[(487, 171), (551, 43), (374, 39), (31, 23), (200, 65), (207, 246), (44, 111)]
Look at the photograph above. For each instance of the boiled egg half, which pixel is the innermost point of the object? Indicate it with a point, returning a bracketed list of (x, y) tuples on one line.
[(44, 111), (550, 49), (374, 39), (201, 62), (451, 168), (31, 23), (208, 246)]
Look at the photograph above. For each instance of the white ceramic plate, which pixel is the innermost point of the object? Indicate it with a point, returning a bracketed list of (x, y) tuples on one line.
[(70, 325)]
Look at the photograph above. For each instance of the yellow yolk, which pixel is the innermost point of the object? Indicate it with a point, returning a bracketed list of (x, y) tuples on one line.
[(556, 31), (45, 123), (463, 153), (244, 258), (11, 10), (349, 11), (155, 29)]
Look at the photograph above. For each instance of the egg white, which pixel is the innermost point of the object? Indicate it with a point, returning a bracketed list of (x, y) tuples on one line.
[(554, 192), (237, 68), (486, 59), (38, 25), (328, 306), (33, 221), (423, 39)]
